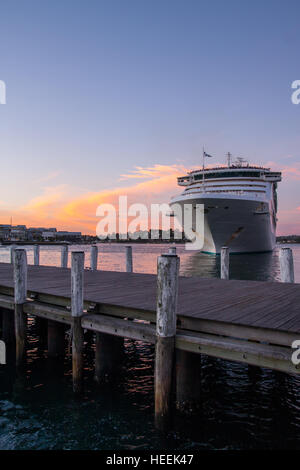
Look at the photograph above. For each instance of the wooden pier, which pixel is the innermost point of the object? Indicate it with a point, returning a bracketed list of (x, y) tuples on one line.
[(246, 321)]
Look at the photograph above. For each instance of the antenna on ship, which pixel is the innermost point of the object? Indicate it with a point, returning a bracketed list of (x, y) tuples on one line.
[(229, 159), (240, 161), (203, 157)]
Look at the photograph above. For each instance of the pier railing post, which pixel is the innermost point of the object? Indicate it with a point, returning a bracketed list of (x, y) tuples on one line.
[(167, 293), (36, 255), (286, 265), (64, 256), (129, 268), (11, 253), (225, 262), (77, 273), (94, 257), (20, 293)]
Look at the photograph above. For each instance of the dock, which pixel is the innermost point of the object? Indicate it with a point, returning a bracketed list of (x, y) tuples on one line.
[(252, 322)]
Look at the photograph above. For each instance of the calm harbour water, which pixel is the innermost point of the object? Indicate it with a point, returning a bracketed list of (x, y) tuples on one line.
[(239, 409)]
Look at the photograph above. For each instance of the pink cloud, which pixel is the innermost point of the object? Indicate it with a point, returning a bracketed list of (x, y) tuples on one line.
[(289, 172)]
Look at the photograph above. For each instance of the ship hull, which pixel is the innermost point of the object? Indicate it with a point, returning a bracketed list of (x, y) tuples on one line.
[(243, 225)]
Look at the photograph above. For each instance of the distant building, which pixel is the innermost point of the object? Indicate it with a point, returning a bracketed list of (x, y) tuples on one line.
[(5, 232), (18, 233), (21, 233), (35, 233), (47, 235), (68, 235)]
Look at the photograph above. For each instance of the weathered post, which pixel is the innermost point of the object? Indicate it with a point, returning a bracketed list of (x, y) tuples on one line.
[(56, 339), (225, 262), (167, 292), (8, 335), (8, 327), (172, 250), (64, 256), (11, 251), (36, 255), (77, 272), (94, 257), (41, 323), (188, 380), (286, 265), (128, 259), (108, 357), (20, 288)]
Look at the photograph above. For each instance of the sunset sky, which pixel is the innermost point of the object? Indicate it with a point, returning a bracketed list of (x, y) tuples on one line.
[(116, 97)]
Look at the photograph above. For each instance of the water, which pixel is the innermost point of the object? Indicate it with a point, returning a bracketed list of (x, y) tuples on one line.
[(240, 409)]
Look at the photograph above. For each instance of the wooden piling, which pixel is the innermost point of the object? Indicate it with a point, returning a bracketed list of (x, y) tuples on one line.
[(94, 257), (55, 330), (225, 262), (77, 272), (129, 268), (36, 255), (64, 256), (20, 293), (41, 327), (108, 356), (167, 292), (8, 326), (286, 265), (8, 335), (188, 380), (11, 251), (56, 339)]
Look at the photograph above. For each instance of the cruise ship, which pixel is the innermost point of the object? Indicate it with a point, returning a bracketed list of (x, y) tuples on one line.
[(240, 205)]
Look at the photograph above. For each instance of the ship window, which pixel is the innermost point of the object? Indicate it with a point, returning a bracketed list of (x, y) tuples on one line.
[(229, 174)]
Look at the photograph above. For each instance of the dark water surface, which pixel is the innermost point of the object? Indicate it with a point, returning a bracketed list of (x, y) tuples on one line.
[(240, 408)]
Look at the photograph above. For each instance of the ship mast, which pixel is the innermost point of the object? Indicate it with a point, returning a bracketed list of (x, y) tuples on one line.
[(229, 159), (203, 167), (203, 178)]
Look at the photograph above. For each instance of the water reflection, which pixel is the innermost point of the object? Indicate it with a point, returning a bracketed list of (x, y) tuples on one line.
[(260, 266), (240, 407)]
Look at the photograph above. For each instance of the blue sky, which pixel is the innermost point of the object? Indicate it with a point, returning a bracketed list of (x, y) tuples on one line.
[(96, 88)]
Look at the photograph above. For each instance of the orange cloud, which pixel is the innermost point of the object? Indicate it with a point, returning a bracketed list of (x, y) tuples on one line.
[(49, 201), (161, 184), (156, 171), (56, 207)]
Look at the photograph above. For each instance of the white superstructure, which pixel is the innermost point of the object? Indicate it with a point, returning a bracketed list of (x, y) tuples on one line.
[(240, 205)]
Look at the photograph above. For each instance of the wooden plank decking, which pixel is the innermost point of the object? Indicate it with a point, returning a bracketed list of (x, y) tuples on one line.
[(269, 305), (246, 321)]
